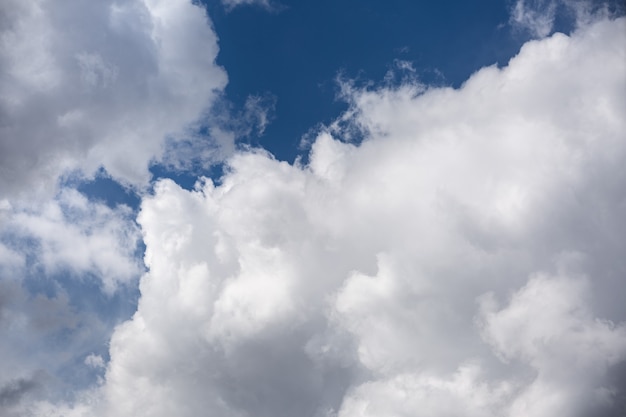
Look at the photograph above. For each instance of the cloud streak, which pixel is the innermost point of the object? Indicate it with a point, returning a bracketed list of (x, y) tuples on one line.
[(91, 85), (538, 17)]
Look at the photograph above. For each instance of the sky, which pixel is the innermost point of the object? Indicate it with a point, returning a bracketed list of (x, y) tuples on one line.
[(278, 208)]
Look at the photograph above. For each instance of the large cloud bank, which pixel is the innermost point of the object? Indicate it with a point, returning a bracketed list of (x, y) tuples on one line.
[(86, 85), (465, 259)]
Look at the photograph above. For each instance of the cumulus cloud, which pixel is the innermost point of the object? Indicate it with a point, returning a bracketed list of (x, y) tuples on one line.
[(88, 85), (465, 258)]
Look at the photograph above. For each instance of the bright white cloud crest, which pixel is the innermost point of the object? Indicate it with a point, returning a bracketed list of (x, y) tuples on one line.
[(463, 260)]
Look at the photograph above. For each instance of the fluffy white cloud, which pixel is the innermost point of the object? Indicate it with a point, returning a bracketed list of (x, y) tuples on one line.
[(99, 84), (367, 282)]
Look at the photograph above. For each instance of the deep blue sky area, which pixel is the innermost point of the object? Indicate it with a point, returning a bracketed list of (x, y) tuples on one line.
[(296, 52)]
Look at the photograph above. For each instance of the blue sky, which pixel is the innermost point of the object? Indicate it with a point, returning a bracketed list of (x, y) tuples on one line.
[(297, 52), (294, 53), (318, 208)]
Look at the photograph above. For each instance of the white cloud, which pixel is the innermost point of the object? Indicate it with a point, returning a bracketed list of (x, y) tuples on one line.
[(356, 285), (73, 234), (230, 4), (95, 361), (91, 84), (535, 16), (85, 85), (538, 16), (548, 325), (462, 393)]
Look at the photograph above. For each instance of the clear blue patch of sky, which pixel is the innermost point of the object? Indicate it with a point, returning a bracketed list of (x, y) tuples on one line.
[(297, 51)]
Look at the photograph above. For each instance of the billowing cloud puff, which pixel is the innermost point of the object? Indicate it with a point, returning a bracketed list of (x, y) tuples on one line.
[(99, 84), (465, 259)]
